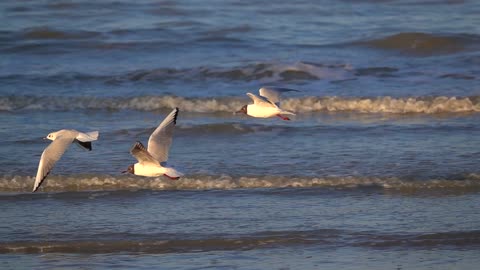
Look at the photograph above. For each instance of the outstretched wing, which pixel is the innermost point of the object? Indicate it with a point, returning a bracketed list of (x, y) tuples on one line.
[(161, 139), (261, 101), (49, 157), (142, 155), (273, 94)]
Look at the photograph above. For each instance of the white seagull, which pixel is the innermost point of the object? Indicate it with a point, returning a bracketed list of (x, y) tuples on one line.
[(267, 104), (153, 160), (61, 140)]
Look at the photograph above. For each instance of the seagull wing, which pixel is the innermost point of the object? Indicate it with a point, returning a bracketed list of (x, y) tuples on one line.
[(161, 139), (142, 155), (85, 139), (261, 101), (50, 156), (273, 94)]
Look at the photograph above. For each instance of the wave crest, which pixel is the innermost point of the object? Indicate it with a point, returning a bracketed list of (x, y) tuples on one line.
[(423, 105), (48, 33), (427, 105), (263, 71), (424, 43), (226, 182), (166, 243)]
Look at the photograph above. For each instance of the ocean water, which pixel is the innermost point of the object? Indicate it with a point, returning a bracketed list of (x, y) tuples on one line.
[(379, 169)]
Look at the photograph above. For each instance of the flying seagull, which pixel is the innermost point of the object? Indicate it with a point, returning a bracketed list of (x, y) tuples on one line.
[(267, 104), (61, 140), (152, 161)]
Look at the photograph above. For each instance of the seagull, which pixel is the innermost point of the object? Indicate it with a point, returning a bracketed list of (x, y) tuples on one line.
[(267, 104), (61, 140), (152, 161)]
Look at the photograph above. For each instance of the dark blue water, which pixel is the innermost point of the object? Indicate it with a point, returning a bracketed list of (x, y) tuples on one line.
[(378, 169)]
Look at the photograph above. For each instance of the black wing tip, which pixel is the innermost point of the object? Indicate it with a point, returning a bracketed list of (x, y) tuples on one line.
[(137, 145), (86, 145), (41, 181), (175, 115)]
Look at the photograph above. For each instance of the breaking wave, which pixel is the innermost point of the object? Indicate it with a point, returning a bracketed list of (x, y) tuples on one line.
[(165, 243), (418, 43), (470, 182), (386, 104), (229, 128), (50, 33), (263, 71)]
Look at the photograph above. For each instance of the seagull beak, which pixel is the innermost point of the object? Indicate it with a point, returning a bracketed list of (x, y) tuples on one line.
[(124, 171)]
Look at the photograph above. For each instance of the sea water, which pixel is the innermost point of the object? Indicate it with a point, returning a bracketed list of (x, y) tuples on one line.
[(379, 169)]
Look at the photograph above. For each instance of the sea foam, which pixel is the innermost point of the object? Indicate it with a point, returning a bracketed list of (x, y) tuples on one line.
[(226, 182), (383, 104)]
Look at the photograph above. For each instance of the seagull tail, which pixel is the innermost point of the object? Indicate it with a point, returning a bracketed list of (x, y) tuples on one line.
[(172, 173), (287, 112)]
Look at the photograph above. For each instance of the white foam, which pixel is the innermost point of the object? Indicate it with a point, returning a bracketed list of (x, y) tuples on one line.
[(384, 105), (226, 182), (421, 105)]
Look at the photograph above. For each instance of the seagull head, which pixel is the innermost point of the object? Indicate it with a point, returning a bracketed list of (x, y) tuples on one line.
[(243, 110), (130, 169), (52, 136)]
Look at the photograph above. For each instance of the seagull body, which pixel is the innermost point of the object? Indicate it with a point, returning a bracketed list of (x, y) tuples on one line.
[(267, 104), (152, 161), (61, 140)]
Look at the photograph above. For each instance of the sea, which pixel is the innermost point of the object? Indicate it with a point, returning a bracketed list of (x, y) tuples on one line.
[(378, 169)]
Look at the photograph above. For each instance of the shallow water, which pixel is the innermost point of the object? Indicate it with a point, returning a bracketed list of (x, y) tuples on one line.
[(378, 169)]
